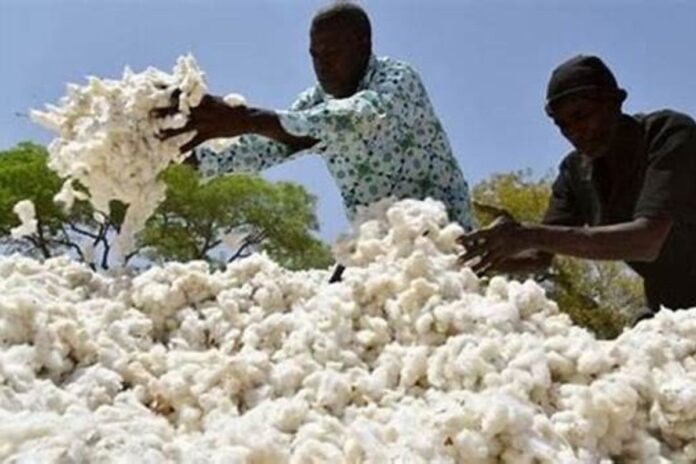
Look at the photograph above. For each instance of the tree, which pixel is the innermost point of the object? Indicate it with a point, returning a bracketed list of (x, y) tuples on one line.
[(24, 175), (195, 219), (598, 295), (191, 224)]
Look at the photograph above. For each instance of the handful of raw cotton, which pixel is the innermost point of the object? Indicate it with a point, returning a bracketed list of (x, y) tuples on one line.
[(107, 139)]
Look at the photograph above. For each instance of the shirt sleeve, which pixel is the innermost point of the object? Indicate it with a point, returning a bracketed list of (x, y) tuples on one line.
[(669, 186), (360, 114), (251, 152), (247, 153), (563, 208)]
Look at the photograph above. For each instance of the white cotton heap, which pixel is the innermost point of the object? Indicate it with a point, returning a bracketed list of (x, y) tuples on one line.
[(107, 140), (409, 359), (26, 213)]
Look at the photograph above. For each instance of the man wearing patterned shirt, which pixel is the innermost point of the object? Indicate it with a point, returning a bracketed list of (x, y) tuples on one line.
[(370, 118)]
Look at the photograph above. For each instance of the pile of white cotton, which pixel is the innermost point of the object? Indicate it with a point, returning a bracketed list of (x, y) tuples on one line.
[(409, 359), (107, 139)]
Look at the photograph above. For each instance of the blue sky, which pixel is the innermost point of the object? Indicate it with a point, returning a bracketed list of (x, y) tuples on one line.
[(485, 63)]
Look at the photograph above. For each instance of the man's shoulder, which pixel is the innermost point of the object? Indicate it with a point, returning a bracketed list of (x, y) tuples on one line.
[(385, 61), (389, 65), (308, 98), (657, 122)]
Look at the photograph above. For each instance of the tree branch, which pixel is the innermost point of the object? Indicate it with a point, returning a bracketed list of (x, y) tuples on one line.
[(252, 239), (41, 241), (85, 232), (71, 244)]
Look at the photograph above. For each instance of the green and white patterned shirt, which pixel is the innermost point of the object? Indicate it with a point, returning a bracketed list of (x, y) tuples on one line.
[(385, 140)]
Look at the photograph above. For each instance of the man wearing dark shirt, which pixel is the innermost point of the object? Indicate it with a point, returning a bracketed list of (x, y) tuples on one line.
[(627, 192)]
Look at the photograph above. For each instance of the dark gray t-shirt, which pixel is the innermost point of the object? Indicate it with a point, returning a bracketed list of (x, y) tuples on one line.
[(659, 180)]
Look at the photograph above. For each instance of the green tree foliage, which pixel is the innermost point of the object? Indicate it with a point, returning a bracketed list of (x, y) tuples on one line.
[(194, 219), (24, 175), (599, 295), (190, 224)]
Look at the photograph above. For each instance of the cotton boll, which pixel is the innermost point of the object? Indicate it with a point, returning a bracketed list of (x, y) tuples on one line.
[(346, 247), (499, 314), (67, 196), (27, 215), (18, 366), (315, 452), (367, 251), (417, 265), (332, 390), (269, 297), (193, 330), (234, 99), (424, 323), (504, 414), (593, 362), (497, 288), (416, 296), (470, 282), (415, 218), (446, 238), (289, 414), (96, 384), (471, 446), (678, 394), (528, 298), (415, 366)]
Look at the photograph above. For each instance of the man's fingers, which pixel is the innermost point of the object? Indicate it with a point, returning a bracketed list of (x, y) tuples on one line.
[(486, 264), (474, 250), (169, 133), (487, 260), (164, 112), (471, 237), (186, 141)]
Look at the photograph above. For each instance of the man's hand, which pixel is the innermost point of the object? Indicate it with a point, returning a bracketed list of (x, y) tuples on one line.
[(494, 244), (212, 118)]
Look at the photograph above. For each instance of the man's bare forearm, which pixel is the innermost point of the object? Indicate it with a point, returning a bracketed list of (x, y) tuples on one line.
[(264, 122), (239, 120), (213, 118), (638, 240)]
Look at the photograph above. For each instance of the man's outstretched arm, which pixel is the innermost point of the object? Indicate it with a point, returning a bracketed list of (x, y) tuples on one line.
[(213, 118), (638, 240)]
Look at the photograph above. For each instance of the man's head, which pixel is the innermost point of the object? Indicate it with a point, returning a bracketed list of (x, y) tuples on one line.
[(340, 45), (585, 101)]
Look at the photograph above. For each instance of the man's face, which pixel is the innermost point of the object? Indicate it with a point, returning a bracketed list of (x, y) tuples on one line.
[(339, 57), (587, 123)]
